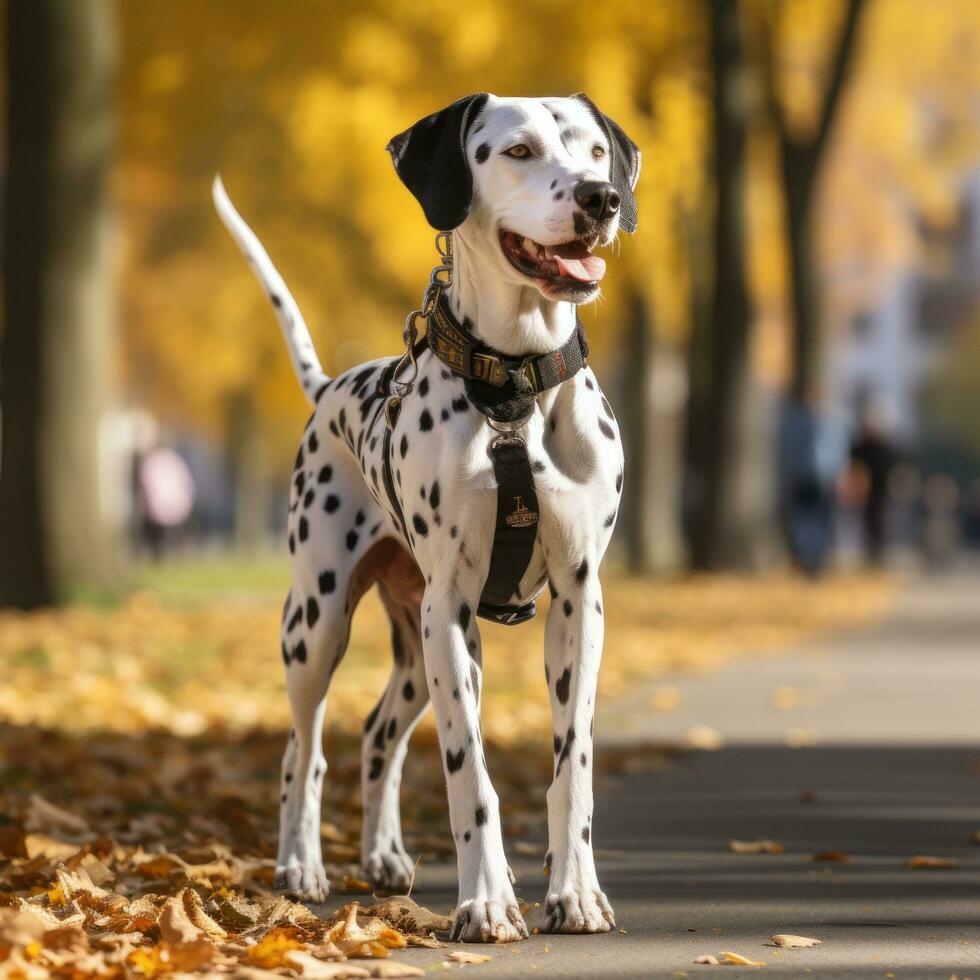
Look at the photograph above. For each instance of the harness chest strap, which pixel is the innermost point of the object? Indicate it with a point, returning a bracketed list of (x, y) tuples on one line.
[(517, 504)]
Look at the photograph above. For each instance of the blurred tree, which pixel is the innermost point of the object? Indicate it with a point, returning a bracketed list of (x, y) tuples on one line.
[(58, 326), (802, 151), (720, 531)]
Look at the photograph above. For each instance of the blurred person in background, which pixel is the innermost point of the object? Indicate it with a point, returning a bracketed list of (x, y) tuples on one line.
[(164, 498), (812, 452), (873, 457)]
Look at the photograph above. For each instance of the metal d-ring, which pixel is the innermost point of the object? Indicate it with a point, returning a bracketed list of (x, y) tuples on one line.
[(506, 430)]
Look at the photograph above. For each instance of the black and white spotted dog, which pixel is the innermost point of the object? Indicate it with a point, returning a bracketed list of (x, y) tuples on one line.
[(528, 188)]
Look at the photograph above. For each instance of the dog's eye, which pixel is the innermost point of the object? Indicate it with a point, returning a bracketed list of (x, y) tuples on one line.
[(598, 151), (518, 152)]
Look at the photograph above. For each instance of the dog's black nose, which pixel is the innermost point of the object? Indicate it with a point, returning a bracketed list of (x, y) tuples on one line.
[(597, 199)]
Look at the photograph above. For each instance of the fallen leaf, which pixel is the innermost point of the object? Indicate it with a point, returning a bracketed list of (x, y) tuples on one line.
[(794, 942), (309, 966), (736, 959), (834, 857), (388, 968), (763, 846), (403, 913), (927, 861), (707, 960), (704, 737), (271, 949), (45, 817), (464, 956)]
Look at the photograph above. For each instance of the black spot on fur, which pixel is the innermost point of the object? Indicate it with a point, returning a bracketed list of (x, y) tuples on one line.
[(435, 496), (466, 837), (408, 691), (559, 195), (586, 834), (296, 619), (552, 590), (352, 537), (425, 421), (454, 761), (403, 446), (453, 531), (598, 608), (308, 499), (331, 503), (464, 616), (461, 404), (299, 483), (611, 519), (312, 612), (377, 764), (589, 384), (418, 522), (359, 518), (444, 415), (619, 482), (325, 475), (606, 408), (379, 737), (582, 571), (569, 739), (292, 545), (423, 387), (482, 153), (299, 652), (557, 744), (481, 816), (327, 581), (333, 428), (392, 725), (285, 655), (298, 462), (554, 183), (567, 607), (562, 685), (583, 759), (373, 717), (606, 429), (314, 442), (537, 466)]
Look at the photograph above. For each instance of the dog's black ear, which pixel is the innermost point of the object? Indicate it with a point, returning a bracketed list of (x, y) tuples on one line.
[(430, 158), (624, 167)]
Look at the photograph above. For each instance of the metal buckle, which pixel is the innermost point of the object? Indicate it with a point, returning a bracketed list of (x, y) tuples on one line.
[(506, 430)]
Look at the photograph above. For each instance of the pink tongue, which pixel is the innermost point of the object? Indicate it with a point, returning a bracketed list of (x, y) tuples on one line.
[(589, 269)]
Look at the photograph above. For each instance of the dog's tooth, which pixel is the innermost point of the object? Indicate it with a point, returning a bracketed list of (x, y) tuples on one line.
[(531, 247)]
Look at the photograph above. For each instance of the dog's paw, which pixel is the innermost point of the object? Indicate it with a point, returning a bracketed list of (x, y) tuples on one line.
[(308, 882), (578, 911), (488, 922), (390, 871)]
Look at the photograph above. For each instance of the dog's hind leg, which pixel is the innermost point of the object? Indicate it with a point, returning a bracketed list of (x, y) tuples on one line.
[(573, 649), (314, 636), (386, 735)]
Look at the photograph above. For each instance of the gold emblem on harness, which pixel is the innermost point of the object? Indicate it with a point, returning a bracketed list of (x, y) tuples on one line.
[(521, 516)]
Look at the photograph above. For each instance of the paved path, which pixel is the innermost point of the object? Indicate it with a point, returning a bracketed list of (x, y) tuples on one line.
[(893, 771)]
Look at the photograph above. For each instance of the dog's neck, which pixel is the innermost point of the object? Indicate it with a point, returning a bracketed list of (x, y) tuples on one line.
[(515, 320)]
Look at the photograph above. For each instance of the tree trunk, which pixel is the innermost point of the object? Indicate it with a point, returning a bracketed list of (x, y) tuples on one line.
[(57, 298), (803, 291), (719, 533)]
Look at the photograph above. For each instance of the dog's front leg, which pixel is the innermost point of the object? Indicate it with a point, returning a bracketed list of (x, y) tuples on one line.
[(487, 910), (573, 642)]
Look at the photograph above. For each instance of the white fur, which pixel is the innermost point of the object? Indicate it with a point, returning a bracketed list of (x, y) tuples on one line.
[(338, 510)]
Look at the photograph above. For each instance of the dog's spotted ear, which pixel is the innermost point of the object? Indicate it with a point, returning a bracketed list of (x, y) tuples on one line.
[(624, 167), (430, 158)]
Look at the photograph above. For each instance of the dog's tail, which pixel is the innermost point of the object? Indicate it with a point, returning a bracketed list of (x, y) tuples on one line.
[(301, 352)]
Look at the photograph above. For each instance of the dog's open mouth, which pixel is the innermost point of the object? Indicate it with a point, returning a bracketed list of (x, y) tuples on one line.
[(570, 266)]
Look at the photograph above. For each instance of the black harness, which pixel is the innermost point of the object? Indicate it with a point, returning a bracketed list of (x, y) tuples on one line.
[(502, 388)]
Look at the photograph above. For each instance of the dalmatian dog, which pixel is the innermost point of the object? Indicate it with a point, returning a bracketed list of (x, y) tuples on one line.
[(528, 188)]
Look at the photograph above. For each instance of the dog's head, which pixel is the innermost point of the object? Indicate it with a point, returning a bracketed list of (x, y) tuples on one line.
[(541, 183)]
